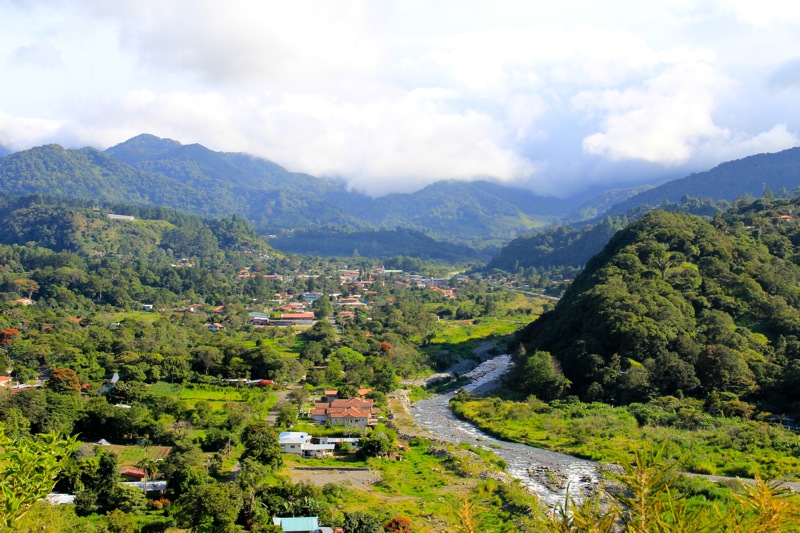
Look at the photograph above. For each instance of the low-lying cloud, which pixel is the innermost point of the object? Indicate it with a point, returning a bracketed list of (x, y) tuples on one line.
[(391, 98)]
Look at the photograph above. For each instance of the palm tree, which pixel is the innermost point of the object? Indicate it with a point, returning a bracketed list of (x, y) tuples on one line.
[(149, 467)]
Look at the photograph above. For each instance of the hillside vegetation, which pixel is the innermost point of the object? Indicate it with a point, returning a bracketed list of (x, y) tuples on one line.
[(147, 170), (675, 305)]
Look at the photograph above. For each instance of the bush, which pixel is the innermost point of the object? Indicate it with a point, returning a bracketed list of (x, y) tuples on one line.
[(703, 467)]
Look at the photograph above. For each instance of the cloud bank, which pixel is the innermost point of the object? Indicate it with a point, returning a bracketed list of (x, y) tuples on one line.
[(393, 96)]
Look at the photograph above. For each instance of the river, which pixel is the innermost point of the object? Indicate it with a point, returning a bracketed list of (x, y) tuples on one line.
[(546, 473)]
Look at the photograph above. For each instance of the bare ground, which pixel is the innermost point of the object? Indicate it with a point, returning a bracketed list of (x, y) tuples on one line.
[(358, 479)]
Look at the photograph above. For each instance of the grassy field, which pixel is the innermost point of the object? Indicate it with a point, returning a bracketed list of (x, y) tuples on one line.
[(130, 455)]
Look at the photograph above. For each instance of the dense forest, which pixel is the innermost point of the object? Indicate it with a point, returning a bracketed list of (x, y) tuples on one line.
[(678, 305), (573, 245)]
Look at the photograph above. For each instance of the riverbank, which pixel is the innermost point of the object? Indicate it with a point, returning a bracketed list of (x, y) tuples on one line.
[(546, 474)]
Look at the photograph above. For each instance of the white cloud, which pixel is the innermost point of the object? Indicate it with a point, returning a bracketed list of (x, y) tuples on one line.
[(661, 121), (41, 54), (22, 132), (381, 145), (765, 12), (391, 96)]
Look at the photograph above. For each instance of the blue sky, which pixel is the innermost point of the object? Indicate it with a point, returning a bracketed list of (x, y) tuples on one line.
[(391, 96)]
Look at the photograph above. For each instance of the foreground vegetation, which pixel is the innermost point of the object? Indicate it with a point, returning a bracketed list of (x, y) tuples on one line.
[(186, 402), (721, 445)]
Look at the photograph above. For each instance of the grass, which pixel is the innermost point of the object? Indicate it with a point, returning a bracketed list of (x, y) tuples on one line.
[(130, 455), (722, 446), (429, 483)]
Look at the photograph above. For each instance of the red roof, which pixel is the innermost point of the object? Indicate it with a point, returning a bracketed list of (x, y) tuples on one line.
[(296, 316), (351, 412)]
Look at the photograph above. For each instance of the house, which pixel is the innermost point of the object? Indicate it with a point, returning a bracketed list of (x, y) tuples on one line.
[(292, 441), (112, 216), (351, 417), (352, 301), (5, 381), (147, 307), (303, 524), (155, 485), (312, 296), (294, 319), (353, 412), (133, 474), (330, 395), (259, 319), (352, 441), (298, 443), (216, 326)]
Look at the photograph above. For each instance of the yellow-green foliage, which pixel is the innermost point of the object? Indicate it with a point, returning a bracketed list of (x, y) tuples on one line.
[(723, 446), (642, 499)]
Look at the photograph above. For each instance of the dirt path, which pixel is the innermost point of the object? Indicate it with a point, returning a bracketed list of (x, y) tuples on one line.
[(358, 479), (282, 394)]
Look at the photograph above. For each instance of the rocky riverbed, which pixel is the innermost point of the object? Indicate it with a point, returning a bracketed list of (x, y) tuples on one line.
[(546, 473)]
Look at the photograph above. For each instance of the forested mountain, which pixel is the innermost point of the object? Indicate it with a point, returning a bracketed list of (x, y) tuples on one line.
[(676, 305), (596, 206), (466, 210), (779, 172), (156, 234), (152, 171), (264, 192), (557, 246), (374, 243), (89, 173), (574, 245)]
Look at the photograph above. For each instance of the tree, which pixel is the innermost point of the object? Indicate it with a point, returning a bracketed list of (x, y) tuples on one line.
[(149, 467), (261, 443), (251, 478), (358, 522), (64, 380), (208, 356), (298, 396), (398, 524), (539, 375), (376, 444), (210, 507), (322, 308), (28, 468), (287, 415), (121, 522)]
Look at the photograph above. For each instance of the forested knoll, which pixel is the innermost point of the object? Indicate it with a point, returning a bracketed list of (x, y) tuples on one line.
[(676, 305), (158, 234)]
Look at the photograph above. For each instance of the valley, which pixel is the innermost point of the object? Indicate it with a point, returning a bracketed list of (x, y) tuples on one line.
[(179, 373)]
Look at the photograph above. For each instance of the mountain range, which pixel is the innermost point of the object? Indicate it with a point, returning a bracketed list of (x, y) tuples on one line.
[(483, 215), (147, 170)]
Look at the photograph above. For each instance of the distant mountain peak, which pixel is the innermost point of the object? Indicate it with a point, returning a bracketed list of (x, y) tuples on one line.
[(143, 146)]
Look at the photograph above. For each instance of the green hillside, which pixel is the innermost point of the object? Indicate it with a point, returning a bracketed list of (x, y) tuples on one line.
[(375, 244), (676, 305), (161, 235), (779, 172), (147, 170)]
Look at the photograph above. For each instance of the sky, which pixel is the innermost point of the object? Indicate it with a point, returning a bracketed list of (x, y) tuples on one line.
[(556, 97)]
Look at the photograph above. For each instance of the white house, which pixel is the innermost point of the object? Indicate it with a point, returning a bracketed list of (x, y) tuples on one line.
[(299, 443)]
